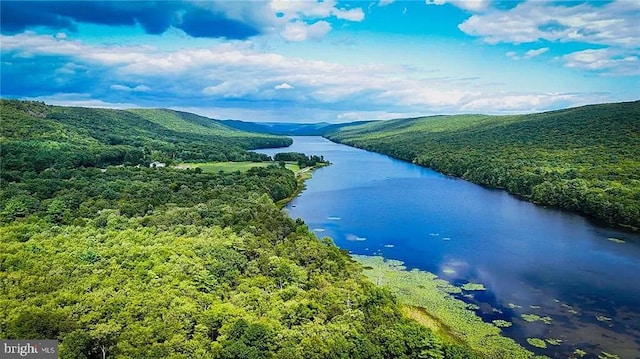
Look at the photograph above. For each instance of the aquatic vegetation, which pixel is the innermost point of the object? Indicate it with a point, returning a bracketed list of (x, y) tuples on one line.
[(537, 342), (502, 323), (605, 355), (425, 290), (473, 286), (513, 306), (534, 318), (570, 309), (602, 318), (554, 341), (579, 353), (616, 240)]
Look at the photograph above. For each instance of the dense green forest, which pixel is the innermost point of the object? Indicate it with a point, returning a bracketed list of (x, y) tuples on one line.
[(584, 159), (122, 261)]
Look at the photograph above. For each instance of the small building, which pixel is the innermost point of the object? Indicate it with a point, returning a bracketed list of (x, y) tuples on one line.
[(156, 164)]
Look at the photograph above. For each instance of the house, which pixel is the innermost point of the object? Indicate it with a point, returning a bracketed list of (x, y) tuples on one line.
[(156, 164)]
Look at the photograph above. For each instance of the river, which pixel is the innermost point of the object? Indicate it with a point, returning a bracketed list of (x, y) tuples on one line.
[(531, 259)]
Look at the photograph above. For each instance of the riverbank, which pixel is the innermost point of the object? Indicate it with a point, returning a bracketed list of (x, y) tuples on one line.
[(302, 175)]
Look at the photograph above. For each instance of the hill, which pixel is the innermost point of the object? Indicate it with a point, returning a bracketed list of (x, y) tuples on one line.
[(289, 129), (36, 136), (136, 262), (584, 159)]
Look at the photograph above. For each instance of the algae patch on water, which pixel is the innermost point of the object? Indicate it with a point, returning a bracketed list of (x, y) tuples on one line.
[(605, 355), (579, 353), (534, 318), (425, 290), (501, 323), (473, 286), (537, 342)]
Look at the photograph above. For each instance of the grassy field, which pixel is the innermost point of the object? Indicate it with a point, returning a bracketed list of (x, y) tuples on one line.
[(212, 167)]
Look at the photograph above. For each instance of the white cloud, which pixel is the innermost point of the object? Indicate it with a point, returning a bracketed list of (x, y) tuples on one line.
[(139, 88), (527, 55), (287, 18), (611, 61), (233, 89), (283, 86), (613, 24), (533, 53), (470, 5), (385, 2), (301, 31), (513, 55), (356, 14)]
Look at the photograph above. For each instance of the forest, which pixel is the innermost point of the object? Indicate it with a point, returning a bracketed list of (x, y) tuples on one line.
[(118, 260), (584, 159)]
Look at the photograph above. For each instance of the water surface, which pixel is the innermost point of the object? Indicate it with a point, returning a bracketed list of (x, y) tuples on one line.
[(533, 260)]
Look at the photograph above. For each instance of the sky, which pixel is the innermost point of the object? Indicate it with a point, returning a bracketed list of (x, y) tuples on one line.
[(322, 61)]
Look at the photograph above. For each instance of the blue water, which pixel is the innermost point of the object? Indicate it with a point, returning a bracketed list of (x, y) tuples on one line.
[(526, 255)]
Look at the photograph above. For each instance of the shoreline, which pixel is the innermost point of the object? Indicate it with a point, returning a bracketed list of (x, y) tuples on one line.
[(302, 175)]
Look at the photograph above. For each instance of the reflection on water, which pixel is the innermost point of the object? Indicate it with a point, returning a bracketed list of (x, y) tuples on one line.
[(534, 262)]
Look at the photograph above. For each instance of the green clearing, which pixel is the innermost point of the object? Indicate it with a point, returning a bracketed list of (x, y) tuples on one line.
[(418, 289), (213, 167)]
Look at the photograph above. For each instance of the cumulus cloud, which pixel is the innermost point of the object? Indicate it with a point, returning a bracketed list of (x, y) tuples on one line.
[(283, 86), (613, 25), (385, 2), (470, 5), (609, 60), (239, 77), (301, 31)]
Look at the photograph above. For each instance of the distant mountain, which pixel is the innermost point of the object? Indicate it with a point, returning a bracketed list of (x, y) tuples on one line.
[(289, 129), (584, 159)]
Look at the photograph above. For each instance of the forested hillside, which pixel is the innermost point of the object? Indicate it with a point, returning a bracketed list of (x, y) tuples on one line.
[(138, 262), (36, 136), (584, 159), (287, 128)]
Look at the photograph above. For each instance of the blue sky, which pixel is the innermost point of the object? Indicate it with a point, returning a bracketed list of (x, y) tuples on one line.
[(309, 61)]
